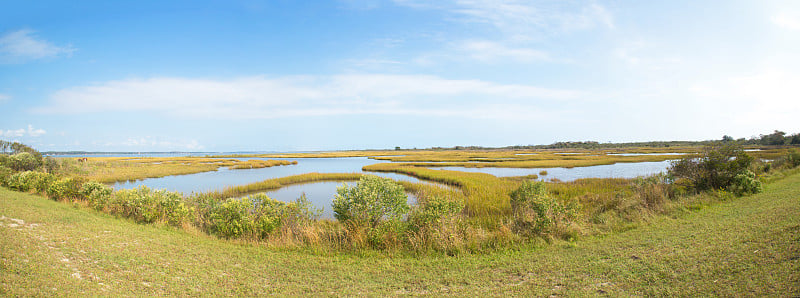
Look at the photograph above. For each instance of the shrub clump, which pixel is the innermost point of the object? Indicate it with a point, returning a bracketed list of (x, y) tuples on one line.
[(29, 181), (370, 202), (145, 205), (745, 183), (24, 161), (435, 222), (535, 212), (257, 216), (97, 193), (65, 188), (373, 209), (723, 166)]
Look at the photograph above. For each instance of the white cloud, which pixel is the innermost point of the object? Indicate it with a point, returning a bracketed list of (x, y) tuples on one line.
[(524, 19), (787, 21), (4, 98), (645, 55), (150, 143), (15, 133), (22, 45), (488, 51), (259, 97)]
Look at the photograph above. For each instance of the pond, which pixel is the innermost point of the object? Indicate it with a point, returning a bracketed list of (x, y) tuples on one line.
[(207, 181), (618, 170)]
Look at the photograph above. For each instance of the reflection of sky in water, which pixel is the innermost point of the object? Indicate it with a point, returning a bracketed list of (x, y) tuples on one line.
[(618, 170), (206, 181)]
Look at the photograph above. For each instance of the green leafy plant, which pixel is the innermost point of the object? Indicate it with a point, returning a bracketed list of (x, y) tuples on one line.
[(65, 188), (745, 183), (714, 169), (145, 205), (535, 212), (370, 202)]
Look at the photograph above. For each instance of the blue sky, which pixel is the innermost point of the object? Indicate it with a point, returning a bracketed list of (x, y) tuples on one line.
[(314, 75)]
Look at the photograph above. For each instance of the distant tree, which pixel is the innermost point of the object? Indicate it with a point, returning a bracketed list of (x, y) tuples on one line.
[(775, 138), (727, 138), (794, 139), (397, 148)]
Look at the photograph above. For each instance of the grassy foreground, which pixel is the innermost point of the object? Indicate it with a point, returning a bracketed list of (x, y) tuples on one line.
[(744, 246)]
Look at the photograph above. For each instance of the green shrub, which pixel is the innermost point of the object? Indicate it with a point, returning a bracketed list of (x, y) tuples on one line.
[(435, 222), (145, 205), (714, 169), (5, 160), (535, 212), (793, 158), (745, 183), (257, 216), (14, 181), (29, 181), (39, 182), (433, 211), (24, 162), (65, 188), (370, 202), (97, 193), (5, 172)]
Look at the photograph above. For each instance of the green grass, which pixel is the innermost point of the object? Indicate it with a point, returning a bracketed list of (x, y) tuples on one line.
[(748, 246)]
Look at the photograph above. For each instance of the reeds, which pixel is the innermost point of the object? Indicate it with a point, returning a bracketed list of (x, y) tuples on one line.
[(115, 169)]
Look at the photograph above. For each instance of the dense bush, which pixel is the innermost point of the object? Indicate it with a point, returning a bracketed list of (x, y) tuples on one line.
[(145, 205), (97, 193), (258, 216), (745, 183), (65, 188), (29, 181), (436, 222), (433, 211), (716, 168), (5, 172), (370, 202), (535, 212), (23, 162)]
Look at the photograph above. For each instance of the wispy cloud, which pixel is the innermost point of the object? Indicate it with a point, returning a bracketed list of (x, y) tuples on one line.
[(16, 133), (150, 143), (516, 29), (4, 98), (260, 97), (524, 19), (489, 51), (22, 46)]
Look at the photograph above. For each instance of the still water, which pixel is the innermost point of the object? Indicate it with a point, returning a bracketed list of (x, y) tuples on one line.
[(618, 170), (322, 193), (214, 180)]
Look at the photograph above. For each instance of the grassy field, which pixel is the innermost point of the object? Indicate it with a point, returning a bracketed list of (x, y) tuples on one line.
[(516, 158), (748, 246)]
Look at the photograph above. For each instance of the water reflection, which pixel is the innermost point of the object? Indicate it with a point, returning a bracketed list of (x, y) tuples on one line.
[(618, 170), (214, 180)]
